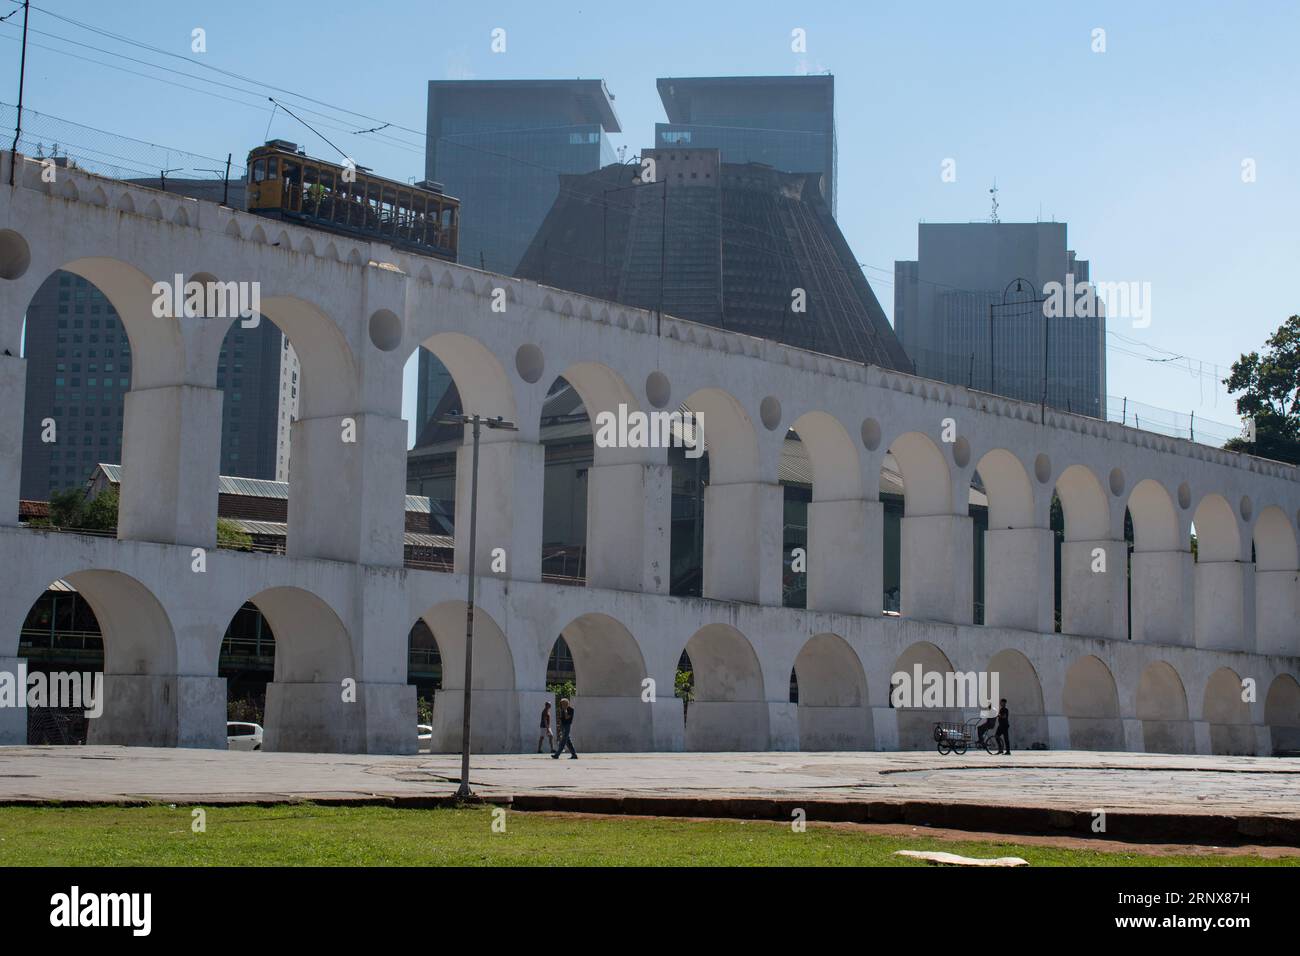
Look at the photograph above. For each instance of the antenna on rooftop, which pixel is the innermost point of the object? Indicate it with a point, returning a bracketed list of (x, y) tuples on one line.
[(993, 217)]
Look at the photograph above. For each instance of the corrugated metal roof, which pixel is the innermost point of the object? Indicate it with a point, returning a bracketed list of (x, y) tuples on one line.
[(263, 488), (279, 529)]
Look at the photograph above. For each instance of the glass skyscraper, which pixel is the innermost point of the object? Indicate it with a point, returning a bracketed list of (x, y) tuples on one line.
[(500, 147), (786, 122)]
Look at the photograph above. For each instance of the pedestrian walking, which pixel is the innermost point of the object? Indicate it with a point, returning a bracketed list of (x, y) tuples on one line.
[(546, 733), (565, 715), (1003, 738)]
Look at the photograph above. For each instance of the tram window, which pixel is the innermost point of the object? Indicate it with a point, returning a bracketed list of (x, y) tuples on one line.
[(259, 170), (292, 187)]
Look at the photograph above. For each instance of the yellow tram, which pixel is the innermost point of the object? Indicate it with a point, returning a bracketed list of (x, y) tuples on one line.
[(284, 183)]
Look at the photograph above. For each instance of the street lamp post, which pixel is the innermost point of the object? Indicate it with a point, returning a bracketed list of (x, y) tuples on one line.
[(476, 422)]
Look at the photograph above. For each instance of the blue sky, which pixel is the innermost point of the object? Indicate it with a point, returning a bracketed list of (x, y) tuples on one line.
[(1139, 148)]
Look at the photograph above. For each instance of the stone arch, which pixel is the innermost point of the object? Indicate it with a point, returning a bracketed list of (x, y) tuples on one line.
[(305, 710), (1231, 728), (1217, 535), (1162, 708), (837, 472), (729, 436), (479, 377), (608, 671), (1275, 541), (328, 385), (730, 709), (1018, 682), (1009, 492), (1155, 522), (1091, 704), (927, 482), (1277, 584), (833, 706), (603, 390), (140, 695), (1282, 714), (496, 726), (1083, 505), (157, 346), (916, 723)]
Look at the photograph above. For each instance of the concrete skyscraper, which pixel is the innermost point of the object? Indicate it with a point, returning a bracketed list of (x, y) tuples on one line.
[(962, 318)]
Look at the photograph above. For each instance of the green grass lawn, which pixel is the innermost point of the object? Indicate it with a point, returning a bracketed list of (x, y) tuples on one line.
[(308, 834)]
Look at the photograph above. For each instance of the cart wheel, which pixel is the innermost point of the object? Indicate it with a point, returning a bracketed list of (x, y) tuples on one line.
[(990, 744), (945, 747), (959, 747)]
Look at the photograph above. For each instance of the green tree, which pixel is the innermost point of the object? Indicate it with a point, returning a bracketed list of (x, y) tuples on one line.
[(230, 535), (1269, 387), (563, 689), (100, 513), (65, 507)]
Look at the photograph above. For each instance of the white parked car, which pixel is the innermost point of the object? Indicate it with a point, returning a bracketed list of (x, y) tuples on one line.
[(423, 738), (243, 736)]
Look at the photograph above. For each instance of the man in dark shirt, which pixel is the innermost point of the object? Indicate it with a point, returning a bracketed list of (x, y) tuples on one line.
[(1003, 737), (565, 715)]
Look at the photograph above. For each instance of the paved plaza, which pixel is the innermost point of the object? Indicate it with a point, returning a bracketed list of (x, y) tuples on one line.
[(1143, 795)]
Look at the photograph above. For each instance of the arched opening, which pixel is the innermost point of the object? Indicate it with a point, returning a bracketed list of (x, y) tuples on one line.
[(831, 693), (1282, 714), (827, 522), (424, 670), (80, 366), (1091, 703), (458, 375), (606, 685), (1160, 568), (1277, 584), (1013, 581), (604, 469), (723, 534), (1220, 576), (922, 672), (1231, 728), (106, 623), (1018, 682), (1091, 569), (496, 726), (1162, 708), (308, 708), (933, 577), (728, 709), (566, 436)]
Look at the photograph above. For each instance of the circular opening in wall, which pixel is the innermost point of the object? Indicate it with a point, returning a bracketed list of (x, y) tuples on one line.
[(1043, 469), (1116, 482), (15, 255), (1247, 509), (961, 452), (1184, 496), (385, 331), (529, 363), (658, 390), (871, 434), (769, 411)]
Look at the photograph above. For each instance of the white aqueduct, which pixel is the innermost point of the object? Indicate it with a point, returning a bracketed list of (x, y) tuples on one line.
[(341, 603)]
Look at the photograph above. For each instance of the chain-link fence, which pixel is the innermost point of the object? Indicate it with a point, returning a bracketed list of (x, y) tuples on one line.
[(110, 154)]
